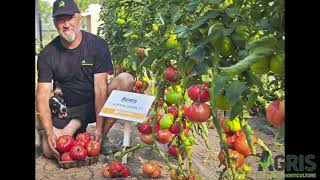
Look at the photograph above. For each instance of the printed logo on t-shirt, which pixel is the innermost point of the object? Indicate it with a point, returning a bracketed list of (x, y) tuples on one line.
[(83, 63)]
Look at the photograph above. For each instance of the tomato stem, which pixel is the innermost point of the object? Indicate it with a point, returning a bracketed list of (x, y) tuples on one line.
[(223, 143), (133, 149), (154, 120), (187, 151)]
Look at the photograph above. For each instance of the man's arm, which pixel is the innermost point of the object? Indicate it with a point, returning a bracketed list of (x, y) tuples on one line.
[(101, 93), (42, 101)]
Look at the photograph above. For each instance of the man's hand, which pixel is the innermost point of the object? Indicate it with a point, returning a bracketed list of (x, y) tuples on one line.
[(52, 144), (42, 99), (98, 134), (100, 91)]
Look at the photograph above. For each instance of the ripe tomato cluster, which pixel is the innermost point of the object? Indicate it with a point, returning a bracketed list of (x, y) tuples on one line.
[(77, 149), (238, 146), (199, 111)]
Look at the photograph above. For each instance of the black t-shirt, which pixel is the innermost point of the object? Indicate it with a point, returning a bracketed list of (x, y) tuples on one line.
[(73, 69)]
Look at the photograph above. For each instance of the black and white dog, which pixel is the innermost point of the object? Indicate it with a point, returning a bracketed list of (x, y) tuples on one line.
[(57, 103)]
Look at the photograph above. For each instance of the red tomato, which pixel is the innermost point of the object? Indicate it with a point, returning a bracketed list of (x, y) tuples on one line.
[(199, 93), (125, 171), (115, 169), (171, 75), (145, 128), (236, 158), (274, 115), (198, 112), (151, 170), (83, 137), (173, 111), (139, 85), (174, 151), (64, 143), (164, 136), (146, 138), (66, 157), (93, 148), (175, 128), (242, 146), (159, 117), (78, 152)]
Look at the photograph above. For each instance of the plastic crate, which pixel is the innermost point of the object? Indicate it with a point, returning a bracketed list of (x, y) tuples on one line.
[(78, 163)]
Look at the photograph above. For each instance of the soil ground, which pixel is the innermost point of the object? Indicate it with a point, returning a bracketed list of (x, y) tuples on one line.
[(205, 161)]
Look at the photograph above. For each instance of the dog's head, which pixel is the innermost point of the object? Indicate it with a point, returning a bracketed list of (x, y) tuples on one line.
[(57, 104)]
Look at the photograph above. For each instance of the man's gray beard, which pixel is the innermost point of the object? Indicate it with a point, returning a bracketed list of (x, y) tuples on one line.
[(72, 37)]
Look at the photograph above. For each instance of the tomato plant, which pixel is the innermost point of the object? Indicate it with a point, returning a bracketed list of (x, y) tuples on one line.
[(235, 47)]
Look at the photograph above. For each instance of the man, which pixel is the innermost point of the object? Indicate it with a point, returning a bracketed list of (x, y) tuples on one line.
[(80, 63)]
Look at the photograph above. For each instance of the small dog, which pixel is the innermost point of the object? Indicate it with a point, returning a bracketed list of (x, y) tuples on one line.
[(57, 104)]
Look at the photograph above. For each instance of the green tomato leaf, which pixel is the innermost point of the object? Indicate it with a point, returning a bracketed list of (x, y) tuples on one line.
[(214, 2), (176, 18), (252, 99), (254, 79), (219, 84), (180, 29), (228, 31), (192, 5), (234, 91), (203, 19), (231, 12), (267, 42), (201, 68), (237, 109), (265, 24), (197, 54)]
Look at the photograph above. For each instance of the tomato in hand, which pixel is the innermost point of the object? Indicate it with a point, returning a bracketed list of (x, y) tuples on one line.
[(64, 143), (93, 148)]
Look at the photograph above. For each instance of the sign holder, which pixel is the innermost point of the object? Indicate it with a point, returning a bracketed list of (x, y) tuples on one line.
[(128, 106), (126, 138)]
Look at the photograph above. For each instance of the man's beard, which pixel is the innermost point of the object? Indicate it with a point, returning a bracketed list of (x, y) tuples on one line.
[(70, 37)]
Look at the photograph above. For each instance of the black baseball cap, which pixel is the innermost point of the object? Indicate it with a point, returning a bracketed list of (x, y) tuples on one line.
[(64, 7)]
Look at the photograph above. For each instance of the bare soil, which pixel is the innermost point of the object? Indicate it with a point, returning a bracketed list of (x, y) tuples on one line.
[(205, 160)]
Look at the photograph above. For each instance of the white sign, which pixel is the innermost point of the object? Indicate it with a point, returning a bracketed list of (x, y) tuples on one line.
[(127, 106)]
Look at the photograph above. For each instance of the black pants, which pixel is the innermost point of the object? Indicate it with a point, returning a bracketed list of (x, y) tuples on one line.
[(86, 113)]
